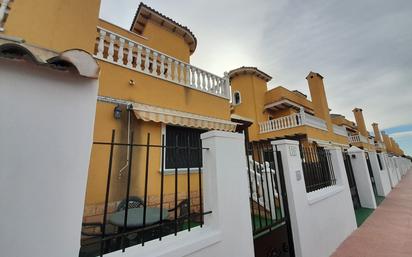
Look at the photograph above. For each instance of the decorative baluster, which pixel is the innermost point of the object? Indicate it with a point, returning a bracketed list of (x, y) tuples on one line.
[(130, 55), (187, 75), (198, 79), (193, 77), (100, 47), (111, 48), (154, 63), (120, 51), (162, 66), (139, 58), (176, 73), (182, 73), (169, 68), (3, 9), (147, 60), (203, 81), (207, 82)]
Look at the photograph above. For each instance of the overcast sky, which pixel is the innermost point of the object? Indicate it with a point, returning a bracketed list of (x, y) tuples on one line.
[(362, 48)]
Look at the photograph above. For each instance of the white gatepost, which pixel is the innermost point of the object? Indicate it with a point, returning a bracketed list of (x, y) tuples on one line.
[(362, 178), (320, 220), (396, 168), (392, 172), (226, 193), (46, 134), (383, 185)]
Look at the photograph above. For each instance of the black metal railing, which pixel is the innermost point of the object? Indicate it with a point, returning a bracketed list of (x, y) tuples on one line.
[(266, 200), (136, 220), (317, 168)]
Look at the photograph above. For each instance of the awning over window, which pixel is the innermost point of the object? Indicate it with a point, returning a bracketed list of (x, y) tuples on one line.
[(169, 116)]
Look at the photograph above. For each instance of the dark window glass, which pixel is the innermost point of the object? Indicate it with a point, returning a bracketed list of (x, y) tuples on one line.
[(177, 141), (237, 98)]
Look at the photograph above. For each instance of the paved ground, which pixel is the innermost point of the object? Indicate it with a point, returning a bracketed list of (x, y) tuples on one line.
[(388, 231)]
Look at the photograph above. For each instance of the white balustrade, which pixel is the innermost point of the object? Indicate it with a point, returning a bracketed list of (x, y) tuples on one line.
[(4, 10), (291, 121), (340, 130), (357, 138), (119, 50), (285, 122)]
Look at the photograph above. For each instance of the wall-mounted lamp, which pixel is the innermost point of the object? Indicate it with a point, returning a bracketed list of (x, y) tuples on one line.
[(117, 112), (353, 156), (131, 82)]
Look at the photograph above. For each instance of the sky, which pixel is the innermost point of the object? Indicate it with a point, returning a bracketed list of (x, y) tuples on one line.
[(362, 48)]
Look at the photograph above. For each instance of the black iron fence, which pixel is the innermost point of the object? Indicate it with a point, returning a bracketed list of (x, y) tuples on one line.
[(265, 189), (317, 168), (136, 220)]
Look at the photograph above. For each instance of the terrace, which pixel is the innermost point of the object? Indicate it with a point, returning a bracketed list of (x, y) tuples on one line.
[(122, 48)]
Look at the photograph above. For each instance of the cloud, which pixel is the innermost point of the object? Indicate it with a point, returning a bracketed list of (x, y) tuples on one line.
[(399, 135)]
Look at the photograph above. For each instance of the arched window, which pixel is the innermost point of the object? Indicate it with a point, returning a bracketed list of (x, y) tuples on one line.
[(236, 98)]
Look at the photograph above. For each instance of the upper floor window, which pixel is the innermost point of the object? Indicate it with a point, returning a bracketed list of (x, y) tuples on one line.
[(237, 98)]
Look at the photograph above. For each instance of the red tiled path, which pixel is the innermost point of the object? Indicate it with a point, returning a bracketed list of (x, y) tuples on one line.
[(388, 231)]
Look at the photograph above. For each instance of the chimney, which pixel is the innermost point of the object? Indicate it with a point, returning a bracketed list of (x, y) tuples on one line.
[(319, 100), (376, 131), (360, 122)]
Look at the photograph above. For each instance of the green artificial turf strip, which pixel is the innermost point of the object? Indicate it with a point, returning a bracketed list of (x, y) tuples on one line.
[(362, 214), (379, 199)]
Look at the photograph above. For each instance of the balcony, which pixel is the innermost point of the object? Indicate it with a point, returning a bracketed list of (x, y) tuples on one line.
[(4, 11), (122, 51), (358, 139), (291, 121), (340, 130), (379, 145)]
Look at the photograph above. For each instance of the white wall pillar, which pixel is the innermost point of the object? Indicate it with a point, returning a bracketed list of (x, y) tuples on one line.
[(319, 224), (383, 185), (226, 193), (391, 170), (46, 135), (361, 174)]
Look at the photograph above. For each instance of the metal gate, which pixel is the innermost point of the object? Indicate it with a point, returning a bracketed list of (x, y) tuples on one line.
[(268, 201), (368, 162), (351, 180)]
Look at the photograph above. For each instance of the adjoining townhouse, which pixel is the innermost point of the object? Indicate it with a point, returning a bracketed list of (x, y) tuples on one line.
[(281, 113)]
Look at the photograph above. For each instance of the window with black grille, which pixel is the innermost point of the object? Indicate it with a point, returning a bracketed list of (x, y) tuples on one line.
[(183, 147)]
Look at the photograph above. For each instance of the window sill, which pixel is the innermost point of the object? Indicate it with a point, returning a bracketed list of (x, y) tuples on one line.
[(324, 193)]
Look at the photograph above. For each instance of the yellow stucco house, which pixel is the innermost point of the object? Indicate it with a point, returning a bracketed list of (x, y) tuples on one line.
[(147, 88), (280, 113), (358, 134)]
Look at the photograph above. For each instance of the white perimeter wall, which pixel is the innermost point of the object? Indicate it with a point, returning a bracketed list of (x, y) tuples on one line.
[(321, 220), (46, 119)]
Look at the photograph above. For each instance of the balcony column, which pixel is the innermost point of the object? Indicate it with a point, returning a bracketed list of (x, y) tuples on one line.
[(302, 116)]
